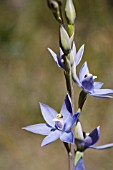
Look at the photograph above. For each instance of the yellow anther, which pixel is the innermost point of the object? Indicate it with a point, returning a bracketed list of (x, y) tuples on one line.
[(59, 115), (87, 75)]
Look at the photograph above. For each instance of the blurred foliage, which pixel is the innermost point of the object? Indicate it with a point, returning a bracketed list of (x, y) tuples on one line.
[(28, 75)]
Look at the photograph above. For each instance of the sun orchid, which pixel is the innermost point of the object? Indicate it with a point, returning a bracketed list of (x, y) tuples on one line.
[(58, 125), (74, 55), (90, 140), (86, 82)]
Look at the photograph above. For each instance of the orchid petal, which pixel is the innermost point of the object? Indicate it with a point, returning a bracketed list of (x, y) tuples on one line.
[(103, 91), (56, 59), (98, 85), (100, 95), (70, 122), (79, 55), (51, 137), (74, 49), (66, 109), (48, 113), (93, 137), (106, 146), (83, 71), (67, 137), (61, 53), (41, 128), (88, 83), (74, 75)]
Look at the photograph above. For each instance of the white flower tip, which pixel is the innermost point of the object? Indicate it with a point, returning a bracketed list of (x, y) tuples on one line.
[(83, 45), (98, 127), (42, 144), (24, 128), (94, 77), (49, 49)]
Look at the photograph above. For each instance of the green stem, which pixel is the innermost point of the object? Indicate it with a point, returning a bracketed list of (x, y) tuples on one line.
[(70, 90)]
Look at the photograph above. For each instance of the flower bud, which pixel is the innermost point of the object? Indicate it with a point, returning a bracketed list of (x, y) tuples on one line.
[(70, 12), (78, 131), (55, 7), (82, 99), (65, 41)]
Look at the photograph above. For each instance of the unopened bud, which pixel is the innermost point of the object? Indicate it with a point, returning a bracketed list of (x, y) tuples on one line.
[(65, 41), (70, 12), (78, 131), (55, 7), (82, 99)]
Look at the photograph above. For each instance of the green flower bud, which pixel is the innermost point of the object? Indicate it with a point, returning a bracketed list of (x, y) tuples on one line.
[(78, 131), (82, 99), (70, 12), (55, 6), (65, 41)]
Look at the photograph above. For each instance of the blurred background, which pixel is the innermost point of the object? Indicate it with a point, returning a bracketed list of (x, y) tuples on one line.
[(28, 75)]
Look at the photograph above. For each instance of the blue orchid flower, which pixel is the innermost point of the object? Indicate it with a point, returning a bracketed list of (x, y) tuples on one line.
[(75, 57), (90, 141), (58, 125), (80, 165), (86, 82)]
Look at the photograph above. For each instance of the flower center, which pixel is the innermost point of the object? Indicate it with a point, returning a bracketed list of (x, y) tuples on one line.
[(59, 121)]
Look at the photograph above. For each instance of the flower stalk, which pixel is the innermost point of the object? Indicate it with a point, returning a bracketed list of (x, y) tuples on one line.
[(69, 84)]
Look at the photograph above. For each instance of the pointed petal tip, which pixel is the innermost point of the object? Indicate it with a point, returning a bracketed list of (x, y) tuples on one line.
[(83, 46), (25, 128), (98, 129), (41, 104), (42, 144), (85, 62), (49, 49)]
